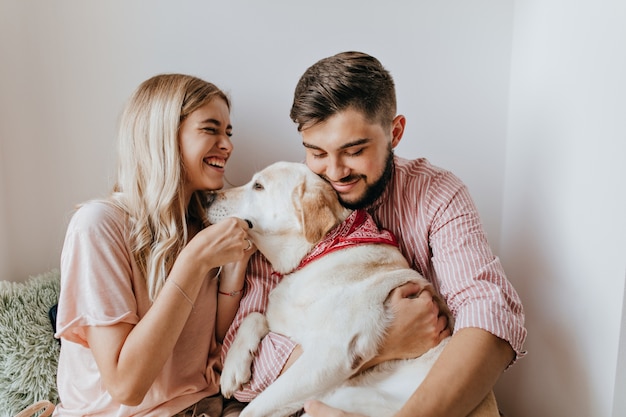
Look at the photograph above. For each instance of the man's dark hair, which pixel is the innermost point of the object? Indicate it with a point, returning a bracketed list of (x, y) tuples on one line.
[(347, 80)]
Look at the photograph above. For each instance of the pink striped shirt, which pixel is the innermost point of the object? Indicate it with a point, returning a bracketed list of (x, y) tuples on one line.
[(439, 231)]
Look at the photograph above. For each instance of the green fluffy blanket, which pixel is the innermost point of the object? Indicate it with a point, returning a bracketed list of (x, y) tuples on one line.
[(28, 351)]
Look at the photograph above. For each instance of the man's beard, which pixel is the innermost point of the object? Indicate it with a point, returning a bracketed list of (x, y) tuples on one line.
[(373, 191)]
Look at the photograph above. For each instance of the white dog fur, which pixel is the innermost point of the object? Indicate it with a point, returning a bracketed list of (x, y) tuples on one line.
[(334, 307)]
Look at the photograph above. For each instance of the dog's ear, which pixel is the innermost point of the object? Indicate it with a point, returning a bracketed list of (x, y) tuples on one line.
[(318, 208)]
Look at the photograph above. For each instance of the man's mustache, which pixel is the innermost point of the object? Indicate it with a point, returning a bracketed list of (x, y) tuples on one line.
[(348, 179)]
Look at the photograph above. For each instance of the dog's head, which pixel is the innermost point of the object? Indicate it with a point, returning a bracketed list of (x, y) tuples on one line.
[(290, 209)]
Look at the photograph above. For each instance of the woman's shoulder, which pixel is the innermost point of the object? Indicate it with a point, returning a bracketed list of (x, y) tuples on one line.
[(98, 213)]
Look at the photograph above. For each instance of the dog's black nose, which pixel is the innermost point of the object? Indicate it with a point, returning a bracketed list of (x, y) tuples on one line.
[(249, 223)]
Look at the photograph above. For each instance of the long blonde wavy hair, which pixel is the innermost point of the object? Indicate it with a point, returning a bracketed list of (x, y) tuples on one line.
[(150, 173)]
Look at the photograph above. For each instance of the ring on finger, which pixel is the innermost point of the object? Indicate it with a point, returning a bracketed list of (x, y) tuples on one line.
[(249, 244)]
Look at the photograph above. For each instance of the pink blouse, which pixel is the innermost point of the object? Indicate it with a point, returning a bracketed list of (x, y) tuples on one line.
[(100, 286)]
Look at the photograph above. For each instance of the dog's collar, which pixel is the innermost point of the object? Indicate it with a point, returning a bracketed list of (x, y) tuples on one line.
[(358, 228)]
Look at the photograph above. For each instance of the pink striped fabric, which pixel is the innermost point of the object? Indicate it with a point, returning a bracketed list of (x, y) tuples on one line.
[(274, 349), (439, 231)]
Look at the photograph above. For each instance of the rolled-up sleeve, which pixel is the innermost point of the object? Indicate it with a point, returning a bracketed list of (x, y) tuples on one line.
[(439, 229), (470, 277)]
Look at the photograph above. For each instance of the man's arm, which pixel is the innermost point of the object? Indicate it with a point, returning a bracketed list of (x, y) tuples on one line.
[(489, 316), (468, 367)]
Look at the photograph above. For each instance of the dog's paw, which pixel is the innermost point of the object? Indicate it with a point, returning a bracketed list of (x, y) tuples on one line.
[(238, 362), (234, 376)]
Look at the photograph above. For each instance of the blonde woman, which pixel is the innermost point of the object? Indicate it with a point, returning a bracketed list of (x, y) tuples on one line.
[(142, 309)]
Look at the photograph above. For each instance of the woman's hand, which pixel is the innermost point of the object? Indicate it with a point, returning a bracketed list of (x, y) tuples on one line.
[(319, 409), (417, 326), (221, 243)]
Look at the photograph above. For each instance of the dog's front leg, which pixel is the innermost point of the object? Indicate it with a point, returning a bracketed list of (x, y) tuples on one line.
[(313, 374), (238, 361)]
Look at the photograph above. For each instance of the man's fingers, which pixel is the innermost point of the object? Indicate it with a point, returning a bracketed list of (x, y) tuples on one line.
[(408, 290)]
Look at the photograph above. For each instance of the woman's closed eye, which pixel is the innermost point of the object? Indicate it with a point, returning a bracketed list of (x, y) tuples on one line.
[(215, 131)]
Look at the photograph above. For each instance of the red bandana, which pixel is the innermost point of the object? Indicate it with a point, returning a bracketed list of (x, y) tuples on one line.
[(357, 229)]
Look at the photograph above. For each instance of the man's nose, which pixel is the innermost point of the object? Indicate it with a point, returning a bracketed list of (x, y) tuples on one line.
[(336, 170)]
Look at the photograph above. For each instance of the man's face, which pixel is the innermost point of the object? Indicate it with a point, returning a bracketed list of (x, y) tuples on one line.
[(353, 154)]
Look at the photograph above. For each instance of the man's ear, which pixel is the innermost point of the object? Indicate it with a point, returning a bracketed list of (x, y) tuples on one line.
[(316, 208), (397, 129)]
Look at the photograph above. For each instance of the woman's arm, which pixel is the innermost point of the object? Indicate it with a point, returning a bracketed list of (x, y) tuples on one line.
[(130, 357), (274, 349), (230, 291)]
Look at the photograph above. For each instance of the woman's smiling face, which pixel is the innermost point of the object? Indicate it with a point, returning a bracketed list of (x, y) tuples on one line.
[(205, 146)]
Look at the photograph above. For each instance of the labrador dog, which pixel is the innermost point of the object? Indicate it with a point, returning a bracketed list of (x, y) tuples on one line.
[(334, 305)]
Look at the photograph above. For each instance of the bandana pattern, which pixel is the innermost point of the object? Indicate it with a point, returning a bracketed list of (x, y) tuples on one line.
[(358, 228)]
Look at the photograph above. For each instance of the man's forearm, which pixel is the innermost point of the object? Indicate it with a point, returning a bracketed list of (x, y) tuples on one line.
[(466, 371)]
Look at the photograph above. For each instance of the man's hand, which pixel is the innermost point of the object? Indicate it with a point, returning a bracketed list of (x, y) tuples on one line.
[(319, 409), (418, 325)]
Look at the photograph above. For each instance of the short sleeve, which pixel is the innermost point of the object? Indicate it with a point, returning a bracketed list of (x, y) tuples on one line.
[(96, 273)]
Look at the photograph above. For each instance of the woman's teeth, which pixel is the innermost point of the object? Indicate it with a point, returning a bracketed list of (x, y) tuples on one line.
[(215, 162)]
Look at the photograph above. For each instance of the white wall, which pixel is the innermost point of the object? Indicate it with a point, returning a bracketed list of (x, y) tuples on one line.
[(564, 223), (4, 237), (619, 399), (67, 67)]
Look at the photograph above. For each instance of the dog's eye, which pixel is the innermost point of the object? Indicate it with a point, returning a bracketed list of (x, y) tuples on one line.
[(257, 186)]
